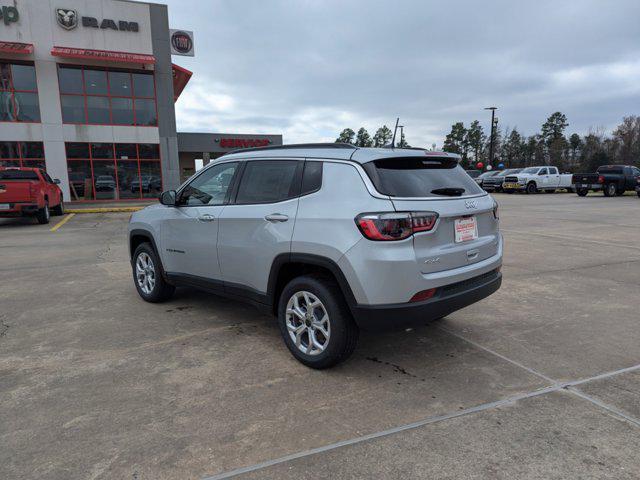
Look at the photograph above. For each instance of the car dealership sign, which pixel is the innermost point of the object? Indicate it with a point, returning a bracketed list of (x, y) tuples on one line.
[(68, 19), (181, 42), (9, 14)]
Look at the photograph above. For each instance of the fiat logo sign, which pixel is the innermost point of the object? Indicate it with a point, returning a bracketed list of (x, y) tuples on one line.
[(181, 42)]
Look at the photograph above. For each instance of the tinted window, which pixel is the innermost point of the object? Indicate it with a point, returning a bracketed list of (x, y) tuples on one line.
[(420, 177), (553, 170), (615, 170), (24, 77), (268, 181), (120, 84), (543, 171), (143, 85), (210, 187), (18, 175), (312, 177), (70, 80)]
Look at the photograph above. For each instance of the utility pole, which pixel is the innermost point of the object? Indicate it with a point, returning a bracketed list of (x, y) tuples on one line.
[(493, 127), (401, 127)]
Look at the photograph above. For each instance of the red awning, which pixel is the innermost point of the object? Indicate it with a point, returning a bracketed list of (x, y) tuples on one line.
[(124, 57), (181, 77), (15, 47)]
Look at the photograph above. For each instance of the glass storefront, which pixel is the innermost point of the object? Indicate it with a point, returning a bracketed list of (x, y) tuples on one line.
[(18, 93), (22, 154), (101, 96), (107, 171)]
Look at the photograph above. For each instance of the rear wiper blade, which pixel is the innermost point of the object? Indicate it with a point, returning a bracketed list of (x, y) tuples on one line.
[(448, 191)]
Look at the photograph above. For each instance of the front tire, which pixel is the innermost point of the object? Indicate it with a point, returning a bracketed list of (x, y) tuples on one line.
[(315, 322), (148, 275), (44, 215), (531, 188)]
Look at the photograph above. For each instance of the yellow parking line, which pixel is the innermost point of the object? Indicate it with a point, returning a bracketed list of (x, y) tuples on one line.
[(62, 222)]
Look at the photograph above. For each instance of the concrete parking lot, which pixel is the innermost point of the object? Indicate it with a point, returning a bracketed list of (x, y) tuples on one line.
[(541, 380)]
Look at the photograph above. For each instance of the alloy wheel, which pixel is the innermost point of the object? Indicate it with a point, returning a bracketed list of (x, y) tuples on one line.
[(308, 323), (145, 273)]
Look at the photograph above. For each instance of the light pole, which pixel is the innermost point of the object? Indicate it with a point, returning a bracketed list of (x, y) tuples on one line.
[(493, 126), (401, 127)]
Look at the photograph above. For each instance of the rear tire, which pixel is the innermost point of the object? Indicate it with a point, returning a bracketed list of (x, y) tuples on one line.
[(44, 215), (314, 343), (148, 275), (58, 209), (531, 188), (610, 190), (582, 192)]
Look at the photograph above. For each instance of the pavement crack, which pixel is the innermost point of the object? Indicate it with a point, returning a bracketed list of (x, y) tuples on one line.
[(4, 327)]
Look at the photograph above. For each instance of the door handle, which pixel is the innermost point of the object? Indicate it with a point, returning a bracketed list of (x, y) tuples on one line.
[(276, 217), (206, 218)]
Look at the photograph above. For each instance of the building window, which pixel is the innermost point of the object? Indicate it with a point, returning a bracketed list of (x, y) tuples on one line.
[(18, 93), (113, 171), (101, 96), (22, 154)]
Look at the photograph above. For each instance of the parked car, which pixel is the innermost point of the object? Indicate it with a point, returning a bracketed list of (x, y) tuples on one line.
[(480, 178), (536, 179), (494, 182), (474, 173), (330, 238), (150, 183), (611, 179), (29, 192), (105, 183)]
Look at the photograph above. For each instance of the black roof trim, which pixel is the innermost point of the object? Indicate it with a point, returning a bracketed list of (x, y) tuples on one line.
[(296, 146)]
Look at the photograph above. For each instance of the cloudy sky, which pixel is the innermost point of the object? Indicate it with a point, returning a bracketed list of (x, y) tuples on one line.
[(308, 69)]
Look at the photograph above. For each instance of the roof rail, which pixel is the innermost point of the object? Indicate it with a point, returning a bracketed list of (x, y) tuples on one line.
[(296, 145)]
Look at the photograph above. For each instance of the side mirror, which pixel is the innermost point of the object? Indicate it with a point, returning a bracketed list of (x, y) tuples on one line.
[(56, 181), (168, 198)]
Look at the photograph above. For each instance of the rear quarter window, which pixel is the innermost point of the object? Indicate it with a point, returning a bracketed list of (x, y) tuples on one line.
[(420, 177)]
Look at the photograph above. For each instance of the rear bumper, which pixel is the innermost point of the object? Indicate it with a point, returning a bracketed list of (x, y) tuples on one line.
[(447, 299), (588, 186), (19, 209)]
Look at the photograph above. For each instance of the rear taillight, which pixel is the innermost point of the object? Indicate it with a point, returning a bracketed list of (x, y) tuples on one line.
[(395, 225), (32, 189), (600, 179), (495, 210)]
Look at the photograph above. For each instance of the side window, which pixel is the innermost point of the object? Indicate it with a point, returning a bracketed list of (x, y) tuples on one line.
[(269, 181), (543, 171), (635, 171), (553, 171), (210, 187), (312, 177)]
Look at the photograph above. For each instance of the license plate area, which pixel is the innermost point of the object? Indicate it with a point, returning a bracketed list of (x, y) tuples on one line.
[(5, 206), (465, 229)]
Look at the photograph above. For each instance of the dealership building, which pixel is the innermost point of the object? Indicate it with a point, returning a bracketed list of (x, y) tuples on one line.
[(87, 92)]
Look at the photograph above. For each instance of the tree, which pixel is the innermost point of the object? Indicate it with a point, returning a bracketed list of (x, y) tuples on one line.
[(403, 142), (382, 137), (346, 136), (575, 144), (453, 142), (363, 139), (554, 127), (628, 136), (512, 151), (475, 138)]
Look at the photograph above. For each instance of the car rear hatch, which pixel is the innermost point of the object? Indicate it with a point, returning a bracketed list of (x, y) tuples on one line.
[(466, 230)]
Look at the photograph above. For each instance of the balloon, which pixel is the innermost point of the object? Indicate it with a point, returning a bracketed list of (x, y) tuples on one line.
[(480, 165), (489, 167), (501, 165)]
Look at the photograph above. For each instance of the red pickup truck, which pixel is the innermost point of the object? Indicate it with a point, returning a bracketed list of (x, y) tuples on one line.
[(29, 192)]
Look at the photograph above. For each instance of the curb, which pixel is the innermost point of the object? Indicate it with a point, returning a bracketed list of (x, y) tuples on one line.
[(103, 210)]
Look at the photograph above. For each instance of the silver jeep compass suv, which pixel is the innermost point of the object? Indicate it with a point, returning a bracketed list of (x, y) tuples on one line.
[(330, 238)]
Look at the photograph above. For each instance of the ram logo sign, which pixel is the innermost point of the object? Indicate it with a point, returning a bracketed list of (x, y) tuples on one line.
[(67, 18)]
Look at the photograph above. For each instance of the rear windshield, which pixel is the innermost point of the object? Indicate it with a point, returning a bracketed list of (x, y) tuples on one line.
[(420, 177), (18, 175), (613, 170)]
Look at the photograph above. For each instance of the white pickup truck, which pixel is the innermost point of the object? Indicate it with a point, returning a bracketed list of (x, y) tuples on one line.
[(536, 179)]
